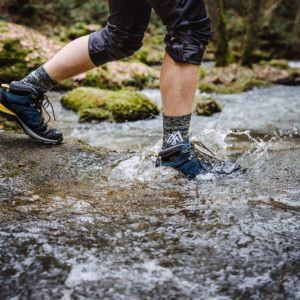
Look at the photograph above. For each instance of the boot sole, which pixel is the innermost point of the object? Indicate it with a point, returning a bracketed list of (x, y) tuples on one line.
[(11, 116)]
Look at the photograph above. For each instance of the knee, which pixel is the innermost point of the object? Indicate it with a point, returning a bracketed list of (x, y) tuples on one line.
[(113, 43), (187, 43)]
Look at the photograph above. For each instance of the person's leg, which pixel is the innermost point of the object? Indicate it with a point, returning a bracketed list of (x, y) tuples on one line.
[(188, 34), (123, 35), (178, 86), (72, 60), (120, 39)]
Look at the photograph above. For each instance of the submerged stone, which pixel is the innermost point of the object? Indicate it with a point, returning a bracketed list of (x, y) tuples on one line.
[(114, 106)]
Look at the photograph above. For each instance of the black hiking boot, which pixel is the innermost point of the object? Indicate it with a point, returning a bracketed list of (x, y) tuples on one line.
[(193, 159), (25, 105)]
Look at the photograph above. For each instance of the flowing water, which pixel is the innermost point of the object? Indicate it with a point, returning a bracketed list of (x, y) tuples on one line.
[(132, 231)]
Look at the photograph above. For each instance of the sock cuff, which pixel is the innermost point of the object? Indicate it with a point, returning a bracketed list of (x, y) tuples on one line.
[(176, 120), (175, 129), (40, 80), (47, 81)]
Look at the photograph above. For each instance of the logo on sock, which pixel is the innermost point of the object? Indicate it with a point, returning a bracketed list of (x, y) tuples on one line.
[(174, 139)]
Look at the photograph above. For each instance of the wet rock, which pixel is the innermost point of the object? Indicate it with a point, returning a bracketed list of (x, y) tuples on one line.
[(8, 125), (22, 50), (117, 75), (75, 31), (206, 106), (69, 226), (150, 55), (276, 63), (276, 75), (236, 79), (115, 106), (47, 169)]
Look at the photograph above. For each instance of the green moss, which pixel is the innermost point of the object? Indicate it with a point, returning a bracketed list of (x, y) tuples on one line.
[(215, 88), (9, 125), (114, 79), (77, 30), (149, 55), (101, 79), (66, 85), (101, 105), (13, 65), (277, 63), (12, 52), (3, 27), (201, 72), (249, 84), (206, 106), (232, 88)]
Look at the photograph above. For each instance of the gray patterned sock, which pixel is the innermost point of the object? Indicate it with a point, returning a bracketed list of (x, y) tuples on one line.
[(39, 79), (176, 130)]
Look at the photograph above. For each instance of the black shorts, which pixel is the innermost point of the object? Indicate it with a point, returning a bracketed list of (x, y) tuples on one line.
[(186, 21)]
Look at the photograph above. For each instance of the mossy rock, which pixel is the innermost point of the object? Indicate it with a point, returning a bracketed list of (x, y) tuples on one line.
[(22, 50), (235, 78), (206, 106), (13, 64), (150, 56), (239, 86), (114, 106), (3, 27), (75, 31), (118, 75), (276, 63), (9, 125)]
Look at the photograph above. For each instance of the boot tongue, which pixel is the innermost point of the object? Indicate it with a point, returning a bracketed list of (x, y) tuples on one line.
[(18, 88)]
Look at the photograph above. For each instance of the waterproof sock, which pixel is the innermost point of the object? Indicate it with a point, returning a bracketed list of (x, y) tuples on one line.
[(39, 79), (176, 130)]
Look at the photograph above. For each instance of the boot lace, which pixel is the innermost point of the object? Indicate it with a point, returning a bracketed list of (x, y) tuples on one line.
[(42, 105), (206, 155)]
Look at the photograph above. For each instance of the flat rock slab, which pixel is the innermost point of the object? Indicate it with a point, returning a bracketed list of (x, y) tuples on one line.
[(27, 166), (79, 222)]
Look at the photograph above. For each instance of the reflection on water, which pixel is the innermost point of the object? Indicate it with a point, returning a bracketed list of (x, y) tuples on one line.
[(133, 231)]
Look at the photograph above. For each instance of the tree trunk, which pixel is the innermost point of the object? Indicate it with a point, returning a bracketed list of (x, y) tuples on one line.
[(270, 11), (296, 30), (254, 8), (216, 14)]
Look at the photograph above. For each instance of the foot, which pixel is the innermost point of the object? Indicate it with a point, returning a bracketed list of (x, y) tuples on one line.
[(25, 104), (193, 159)]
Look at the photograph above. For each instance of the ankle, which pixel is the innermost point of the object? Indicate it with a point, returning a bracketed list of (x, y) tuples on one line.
[(176, 130)]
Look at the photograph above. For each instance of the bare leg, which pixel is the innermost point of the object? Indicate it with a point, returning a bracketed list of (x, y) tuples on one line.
[(178, 87), (72, 60)]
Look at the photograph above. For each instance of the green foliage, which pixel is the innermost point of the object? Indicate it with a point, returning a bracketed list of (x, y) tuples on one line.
[(271, 32), (60, 12)]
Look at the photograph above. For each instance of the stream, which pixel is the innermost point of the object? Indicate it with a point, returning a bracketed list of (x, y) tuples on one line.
[(134, 231)]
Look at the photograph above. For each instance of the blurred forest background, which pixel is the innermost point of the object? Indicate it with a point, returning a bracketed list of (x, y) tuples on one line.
[(245, 31), (253, 45)]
